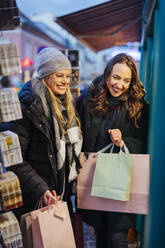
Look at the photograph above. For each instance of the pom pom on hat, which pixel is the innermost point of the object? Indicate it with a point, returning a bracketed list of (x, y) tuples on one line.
[(51, 60)]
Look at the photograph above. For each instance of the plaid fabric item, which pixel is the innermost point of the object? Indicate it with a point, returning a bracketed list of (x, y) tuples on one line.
[(10, 149), (10, 231), (11, 157), (8, 141), (9, 60), (10, 108), (10, 190)]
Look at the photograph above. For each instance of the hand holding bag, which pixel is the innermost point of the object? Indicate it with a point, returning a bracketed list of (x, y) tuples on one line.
[(51, 227), (113, 175), (139, 190)]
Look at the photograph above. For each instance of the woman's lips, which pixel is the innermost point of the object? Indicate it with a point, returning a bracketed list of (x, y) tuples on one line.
[(116, 90), (62, 87)]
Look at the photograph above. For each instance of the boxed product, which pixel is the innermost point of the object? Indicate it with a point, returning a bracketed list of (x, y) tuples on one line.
[(73, 56), (75, 77), (10, 109), (9, 59), (10, 230), (10, 149)]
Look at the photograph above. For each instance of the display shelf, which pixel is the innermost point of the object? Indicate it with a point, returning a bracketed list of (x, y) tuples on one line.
[(9, 20), (10, 191)]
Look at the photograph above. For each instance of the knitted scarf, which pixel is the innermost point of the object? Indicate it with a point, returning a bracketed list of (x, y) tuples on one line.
[(69, 143)]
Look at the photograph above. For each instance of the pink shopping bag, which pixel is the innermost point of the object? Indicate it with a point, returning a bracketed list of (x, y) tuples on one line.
[(26, 229), (52, 228), (139, 189)]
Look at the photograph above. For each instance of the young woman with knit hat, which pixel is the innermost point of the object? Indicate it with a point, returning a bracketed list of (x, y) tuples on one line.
[(49, 133)]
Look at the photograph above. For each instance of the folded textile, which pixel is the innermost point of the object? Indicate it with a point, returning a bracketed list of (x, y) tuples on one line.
[(10, 108), (10, 191), (10, 231), (10, 148), (9, 60)]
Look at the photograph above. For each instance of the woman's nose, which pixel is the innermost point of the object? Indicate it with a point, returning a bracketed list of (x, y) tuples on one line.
[(120, 84), (65, 80)]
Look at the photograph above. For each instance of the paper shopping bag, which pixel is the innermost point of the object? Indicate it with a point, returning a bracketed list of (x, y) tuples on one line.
[(113, 176), (139, 190), (26, 229), (51, 227)]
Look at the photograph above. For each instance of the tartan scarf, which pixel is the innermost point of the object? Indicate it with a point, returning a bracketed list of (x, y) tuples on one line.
[(67, 144)]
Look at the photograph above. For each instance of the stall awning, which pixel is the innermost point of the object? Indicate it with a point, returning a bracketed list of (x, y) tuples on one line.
[(112, 23)]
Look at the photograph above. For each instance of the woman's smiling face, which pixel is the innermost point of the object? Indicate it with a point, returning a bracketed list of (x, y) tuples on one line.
[(59, 81), (119, 80)]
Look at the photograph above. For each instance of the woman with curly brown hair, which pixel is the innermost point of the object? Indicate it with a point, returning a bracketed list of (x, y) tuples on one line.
[(114, 111)]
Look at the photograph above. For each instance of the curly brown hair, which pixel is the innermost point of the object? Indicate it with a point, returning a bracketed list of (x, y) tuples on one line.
[(133, 98)]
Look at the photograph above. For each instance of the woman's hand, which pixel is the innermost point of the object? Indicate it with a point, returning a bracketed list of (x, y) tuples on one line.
[(116, 137), (50, 197)]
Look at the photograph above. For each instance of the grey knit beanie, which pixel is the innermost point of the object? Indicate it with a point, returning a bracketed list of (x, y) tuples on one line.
[(51, 60)]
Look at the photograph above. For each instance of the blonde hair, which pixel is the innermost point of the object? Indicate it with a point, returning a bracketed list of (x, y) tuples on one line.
[(69, 107)]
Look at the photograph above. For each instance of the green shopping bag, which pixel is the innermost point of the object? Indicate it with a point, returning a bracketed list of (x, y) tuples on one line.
[(113, 176)]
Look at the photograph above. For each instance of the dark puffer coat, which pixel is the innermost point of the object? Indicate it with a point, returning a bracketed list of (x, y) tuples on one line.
[(38, 172)]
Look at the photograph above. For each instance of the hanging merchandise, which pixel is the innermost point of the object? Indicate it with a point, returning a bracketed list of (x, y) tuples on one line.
[(10, 191), (9, 59), (10, 153), (9, 15), (10, 109), (75, 77), (10, 149), (73, 56), (10, 231)]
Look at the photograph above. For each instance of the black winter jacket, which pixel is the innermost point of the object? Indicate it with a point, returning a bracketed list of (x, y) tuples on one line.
[(38, 172)]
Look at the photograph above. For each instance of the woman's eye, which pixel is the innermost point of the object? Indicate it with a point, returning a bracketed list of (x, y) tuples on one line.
[(127, 82), (115, 77)]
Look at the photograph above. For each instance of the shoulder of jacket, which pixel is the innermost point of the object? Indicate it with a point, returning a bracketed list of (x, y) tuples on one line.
[(26, 95)]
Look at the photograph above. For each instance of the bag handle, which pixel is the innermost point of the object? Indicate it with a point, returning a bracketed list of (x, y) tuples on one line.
[(111, 145), (123, 148), (103, 149), (58, 213), (39, 203)]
